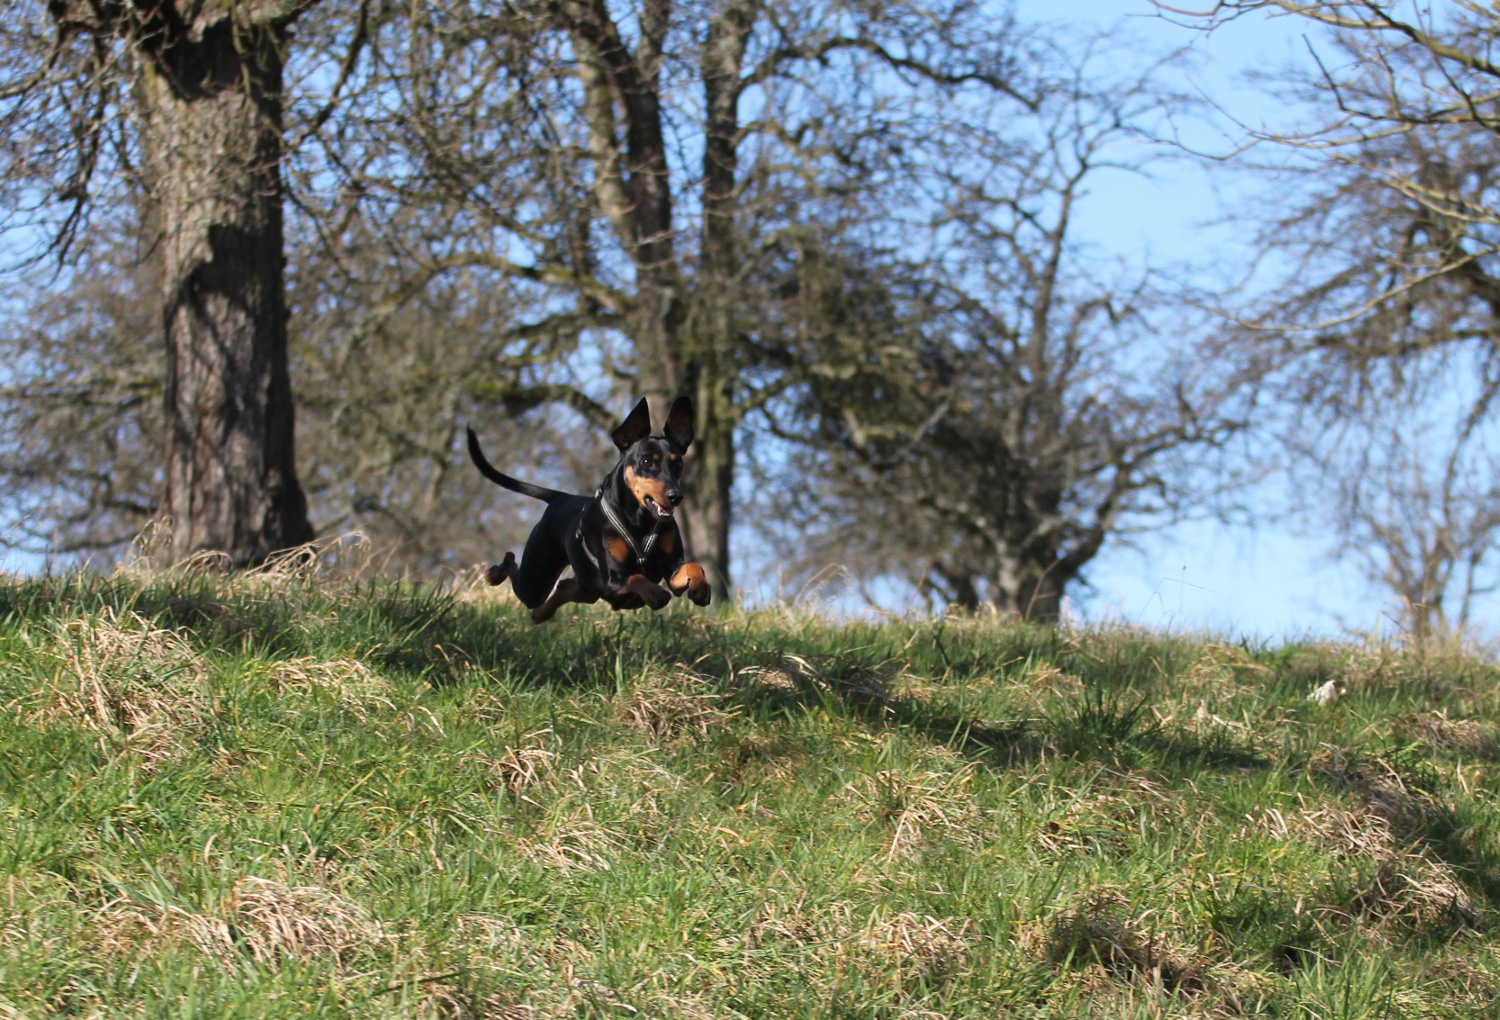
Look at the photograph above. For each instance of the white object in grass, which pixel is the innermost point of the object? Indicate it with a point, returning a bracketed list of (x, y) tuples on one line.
[(1327, 694)]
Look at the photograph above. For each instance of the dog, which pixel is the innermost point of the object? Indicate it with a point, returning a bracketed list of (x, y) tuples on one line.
[(622, 541)]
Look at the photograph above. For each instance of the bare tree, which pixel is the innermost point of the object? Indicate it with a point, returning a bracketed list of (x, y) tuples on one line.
[(395, 346), (388, 375), (1418, 505), (1386, 223), (502, 209), (81, 409), (1015, 405), (202, 90), (641, 211), (384, 386)]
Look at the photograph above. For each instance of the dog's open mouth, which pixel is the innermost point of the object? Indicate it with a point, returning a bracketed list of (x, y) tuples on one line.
[(661, 511)]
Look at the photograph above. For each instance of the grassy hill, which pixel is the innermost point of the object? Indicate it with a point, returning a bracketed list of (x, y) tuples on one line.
[(284, 797)]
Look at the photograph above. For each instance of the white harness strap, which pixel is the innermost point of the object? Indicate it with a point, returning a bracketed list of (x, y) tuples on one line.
[(613, 515)]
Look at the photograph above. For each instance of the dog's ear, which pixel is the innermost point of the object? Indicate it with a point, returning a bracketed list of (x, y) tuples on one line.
[(635, 427), (679, 427)]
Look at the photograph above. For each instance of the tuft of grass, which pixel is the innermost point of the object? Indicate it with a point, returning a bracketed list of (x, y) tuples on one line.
[(304, 792)]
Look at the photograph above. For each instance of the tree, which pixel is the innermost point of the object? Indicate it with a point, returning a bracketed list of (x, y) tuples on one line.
[(641, 214), (1390, 223), (383, 387), (1014, 406), (388, 379), (203, 87), (1418, 506), (513, 208), (1386, 223), (81, 410)]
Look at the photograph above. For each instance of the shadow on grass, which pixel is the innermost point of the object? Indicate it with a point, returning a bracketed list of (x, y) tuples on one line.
[(1111, 725), (439, 638), (1401, 786)]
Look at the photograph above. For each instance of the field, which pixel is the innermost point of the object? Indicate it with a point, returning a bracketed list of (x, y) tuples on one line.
[(284, 796)]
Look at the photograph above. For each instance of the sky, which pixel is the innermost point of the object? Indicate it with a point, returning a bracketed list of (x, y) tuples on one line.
[(1270, 581)]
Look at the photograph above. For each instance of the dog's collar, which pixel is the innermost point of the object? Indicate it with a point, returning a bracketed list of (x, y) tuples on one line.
[(613, 515)]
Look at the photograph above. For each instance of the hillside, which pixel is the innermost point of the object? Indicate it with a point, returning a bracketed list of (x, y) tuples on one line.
[(287, 797)]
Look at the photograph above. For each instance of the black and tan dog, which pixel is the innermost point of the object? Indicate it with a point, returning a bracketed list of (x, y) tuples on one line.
[(622, 541)]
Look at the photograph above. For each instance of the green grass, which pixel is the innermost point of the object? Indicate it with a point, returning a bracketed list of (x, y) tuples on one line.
[(281, 797)]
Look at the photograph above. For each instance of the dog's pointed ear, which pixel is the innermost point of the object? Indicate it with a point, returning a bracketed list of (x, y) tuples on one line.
[(635, 427), (679, 427)]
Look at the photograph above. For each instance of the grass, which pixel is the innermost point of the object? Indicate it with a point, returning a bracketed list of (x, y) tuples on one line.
[(280, 796)]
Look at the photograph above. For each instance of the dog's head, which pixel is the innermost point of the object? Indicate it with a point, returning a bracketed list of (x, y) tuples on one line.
[(651, 466)]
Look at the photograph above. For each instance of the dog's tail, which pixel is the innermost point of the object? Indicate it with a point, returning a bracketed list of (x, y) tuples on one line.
[(513, 484)]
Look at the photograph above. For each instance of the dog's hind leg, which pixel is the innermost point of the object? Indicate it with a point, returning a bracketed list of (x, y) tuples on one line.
[(541, 566), (568, 591), (498, 572)]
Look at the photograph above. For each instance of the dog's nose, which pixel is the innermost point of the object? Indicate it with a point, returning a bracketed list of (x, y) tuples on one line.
[(674, 496)]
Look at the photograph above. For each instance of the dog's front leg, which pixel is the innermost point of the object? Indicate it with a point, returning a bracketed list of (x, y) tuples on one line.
[(691, 579), (649, 592)]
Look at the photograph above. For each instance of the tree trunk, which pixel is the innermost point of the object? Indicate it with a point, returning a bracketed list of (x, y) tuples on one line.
[(1040, 600), (711, 368), (1030, 588), (633, 185), (711, 480), (211, 103)]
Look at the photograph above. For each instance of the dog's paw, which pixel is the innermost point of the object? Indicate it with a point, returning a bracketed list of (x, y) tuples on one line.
[(656, 596), (701, 594), (498, 572)]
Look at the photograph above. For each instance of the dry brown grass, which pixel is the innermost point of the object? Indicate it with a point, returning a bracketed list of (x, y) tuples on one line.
[(126, 679), (266, 920), (572, 998), (524, 767), (349, 556), (1470, 737), (669, 707), (1049, 679), (449, 1002), (1345, 833), (1199, 696), (762, 759), (1133, 949), (1379, 786), (1465, 984), (898, 951), (1111, 816), (500, 941), (915, 806), (569, 841), (1221, 672), (557, 988), (639, 786), (795, 674), (1409, 888), (1201, 722), (276, 922), (347, 682)]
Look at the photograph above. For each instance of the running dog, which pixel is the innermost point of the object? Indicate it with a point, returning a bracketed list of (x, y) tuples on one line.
[(622, 541)]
